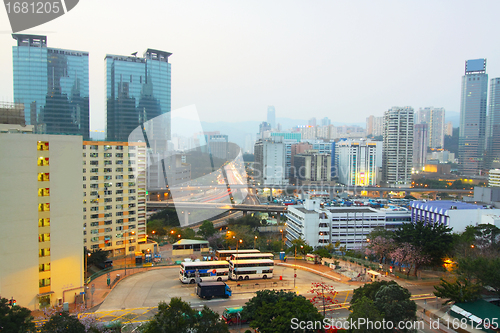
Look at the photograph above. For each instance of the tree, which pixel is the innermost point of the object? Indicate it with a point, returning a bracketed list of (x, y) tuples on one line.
[(179, 317), (324, 295), (365, 308), (460, 291), (206, 229), (369, 290), (394, 301), (410, 256), (97, 257), (272, 311), (380, 246), (301, 247), (434, 240), (322, 252), (63, 322), (14, 318)]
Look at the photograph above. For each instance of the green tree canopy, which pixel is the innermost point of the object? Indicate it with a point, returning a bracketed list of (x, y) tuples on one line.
[(271, 311), (97, 257), (459, 291), (369, 290), (323, 253), (16, 319), (394, 301), (179, 317), (63, 322), (207, 229), (434, 240), (365, 309), (301, 247)]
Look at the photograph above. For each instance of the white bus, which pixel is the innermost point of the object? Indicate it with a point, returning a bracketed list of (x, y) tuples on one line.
[(226, 254), (208, 270), (251, 269), (251, 256)]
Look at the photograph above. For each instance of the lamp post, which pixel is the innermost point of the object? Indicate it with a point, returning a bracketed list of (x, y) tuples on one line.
[(282, 241), (85, 255), (254, 240)]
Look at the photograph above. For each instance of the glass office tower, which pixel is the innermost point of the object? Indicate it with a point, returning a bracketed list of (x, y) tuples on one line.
[(493, 126), (53, 85), (473, 103), (138, 90)]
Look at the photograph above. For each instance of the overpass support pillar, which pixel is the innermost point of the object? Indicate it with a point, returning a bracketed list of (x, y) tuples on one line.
[(332, 194), (186, 218), (244, 213), (278, 217), (382, 194), (301, 194), (271, 194)]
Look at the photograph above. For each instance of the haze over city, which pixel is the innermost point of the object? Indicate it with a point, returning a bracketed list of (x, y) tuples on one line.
[(343, 60)]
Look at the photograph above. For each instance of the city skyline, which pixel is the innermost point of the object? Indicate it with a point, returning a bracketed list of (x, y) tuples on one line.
[(229, 66)]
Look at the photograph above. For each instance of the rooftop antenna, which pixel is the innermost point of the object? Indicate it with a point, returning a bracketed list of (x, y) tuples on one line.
[(134, 54)]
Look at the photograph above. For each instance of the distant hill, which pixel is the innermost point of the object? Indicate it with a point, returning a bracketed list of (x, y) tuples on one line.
[(454, 117)]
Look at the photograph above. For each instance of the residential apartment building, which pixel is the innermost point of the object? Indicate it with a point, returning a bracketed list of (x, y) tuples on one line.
[(435, 120), (494, 178), (420, 144), (53, 85), (41, 243), (271, 116), (270, 161), (114, 196), (374, 126), (349, 226), (397, 153), (473, 104), (311, 167), (357, 162)]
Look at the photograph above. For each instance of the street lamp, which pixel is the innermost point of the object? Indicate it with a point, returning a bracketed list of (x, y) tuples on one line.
[(254, 240), (85, 255), (282, 240)]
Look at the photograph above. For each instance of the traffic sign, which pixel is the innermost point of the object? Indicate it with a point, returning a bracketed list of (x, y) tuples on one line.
[(294, 275)]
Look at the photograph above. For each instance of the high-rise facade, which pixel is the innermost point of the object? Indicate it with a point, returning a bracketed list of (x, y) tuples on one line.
[(397, 153), (114, 196), (357, 162), (374, 125), (473, 106), (41, 229), (435, 120), (312, 167), (138, 90), (493, 126), (271, 116), (53, 85), (420, 144), (270, 161)]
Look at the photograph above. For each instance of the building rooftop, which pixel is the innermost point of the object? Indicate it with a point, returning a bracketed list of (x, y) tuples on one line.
[(444, 204), (190, 242), (352, 210)]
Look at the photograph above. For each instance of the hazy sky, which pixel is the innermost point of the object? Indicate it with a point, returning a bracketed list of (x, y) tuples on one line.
[(339, 59)]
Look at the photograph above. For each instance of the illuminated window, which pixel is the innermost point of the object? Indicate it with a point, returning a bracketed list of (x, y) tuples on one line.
[(43, 238), (44, 282), (44, 267), (44, 252), (42, 145)]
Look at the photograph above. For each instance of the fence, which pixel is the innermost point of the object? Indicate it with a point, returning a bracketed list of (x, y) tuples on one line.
[(264, 285)]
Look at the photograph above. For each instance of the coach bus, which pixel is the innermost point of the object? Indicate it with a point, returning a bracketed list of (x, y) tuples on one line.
[(208, 271), (250, 256), (251, 269), (226, 254)]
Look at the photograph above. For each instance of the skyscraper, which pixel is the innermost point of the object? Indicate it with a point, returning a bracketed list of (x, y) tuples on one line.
[(53, 85), (357, 162), (435, 120), (493, 126), (397, 153), (271, 116), (473, 117), (137, 90), (420, 144)]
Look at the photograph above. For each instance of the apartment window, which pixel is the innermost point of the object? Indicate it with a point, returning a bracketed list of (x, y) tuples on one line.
[(119, 221), (107, 170), (44, 267), (42, 145), (132, 219), (107, 155), (107, 147), (93, 193), (131, 191), (94, 239), (43, 177), (108, 200), (131, 212), (119, 228), (107, 207), (131, 177), (43, 238), (94, 178), (119, 206), (84, 147), (43, 222), (44, 282), (119, 147), (84, 178), (95, 246), (131, 184), (119, 169), (108, 215), (94, 216), (94, 154), (94, 231), (94, 185), (131, 162), (108, 162), (119, 162), (44, 252), (120, 155), (119, 213), (131, 155), (131, 226), (119, 235), (94, 147), (131, 198), (108, 222), (119, 177), (94, 162), (119, 184), (130, 169), (94, 170), (94, 224), (119, 243), (108, 184), (108, 192), (108, 229), (44, 207), (43, 161), (131, 205), (119, 192)]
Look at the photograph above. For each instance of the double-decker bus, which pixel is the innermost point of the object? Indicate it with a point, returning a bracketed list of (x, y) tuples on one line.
[(251, 269), (208, 270), (250, 256), (226, 254)]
